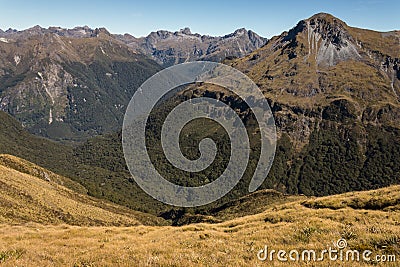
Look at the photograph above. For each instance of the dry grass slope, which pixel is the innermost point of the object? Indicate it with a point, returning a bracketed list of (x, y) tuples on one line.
[(300, 224), (27, 167), (33, 194)]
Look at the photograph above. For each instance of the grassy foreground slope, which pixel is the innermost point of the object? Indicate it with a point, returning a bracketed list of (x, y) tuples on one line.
[(367, 220), (32, 194)]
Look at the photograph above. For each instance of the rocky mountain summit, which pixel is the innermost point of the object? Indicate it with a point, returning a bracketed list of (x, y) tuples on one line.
[(169, 48)]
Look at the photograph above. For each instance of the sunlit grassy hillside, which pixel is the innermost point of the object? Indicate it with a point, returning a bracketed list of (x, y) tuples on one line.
[(32, 194), (367, 220)]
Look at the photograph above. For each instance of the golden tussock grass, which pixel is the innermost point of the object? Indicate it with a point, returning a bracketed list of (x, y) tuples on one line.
[(32, 194), (295, 225)]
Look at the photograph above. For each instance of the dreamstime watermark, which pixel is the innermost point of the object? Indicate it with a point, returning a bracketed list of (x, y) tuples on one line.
[(339, 252), (158, 86)]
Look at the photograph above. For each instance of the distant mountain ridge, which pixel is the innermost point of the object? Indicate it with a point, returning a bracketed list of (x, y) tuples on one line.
[(71, 84), (170, 48), (165, 47), (77, 32)]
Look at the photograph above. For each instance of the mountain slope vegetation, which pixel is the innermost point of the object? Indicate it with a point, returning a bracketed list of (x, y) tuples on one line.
[(73, 84)]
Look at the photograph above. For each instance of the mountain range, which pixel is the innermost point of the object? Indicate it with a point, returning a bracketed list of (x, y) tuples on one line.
[(333, 89), (71, 84), (170, 48)]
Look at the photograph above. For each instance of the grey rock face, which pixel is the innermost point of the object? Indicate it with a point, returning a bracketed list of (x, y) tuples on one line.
[(169, 48)]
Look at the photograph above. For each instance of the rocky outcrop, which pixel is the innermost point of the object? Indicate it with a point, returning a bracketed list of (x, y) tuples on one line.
[(329, 40)]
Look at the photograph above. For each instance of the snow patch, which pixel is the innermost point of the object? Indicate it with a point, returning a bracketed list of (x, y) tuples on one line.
[(83, 32), (392, 86), (50, 116), (4, 40), (17, 59), (240, 49)]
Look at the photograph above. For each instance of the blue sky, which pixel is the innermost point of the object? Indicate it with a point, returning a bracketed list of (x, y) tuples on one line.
[(139, 18)]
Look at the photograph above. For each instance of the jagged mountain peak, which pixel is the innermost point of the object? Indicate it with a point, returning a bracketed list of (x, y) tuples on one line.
[(327, 38), (240, 31), (101, 30), (330, 39), (169, 48), (10, 30), (185, 30), (329, 27), (35, 28)]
